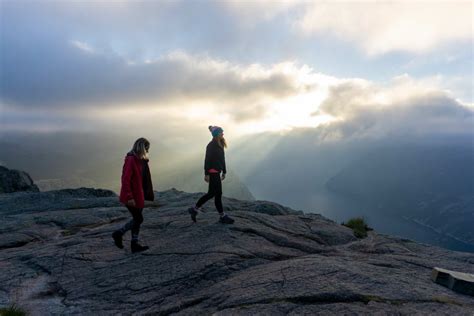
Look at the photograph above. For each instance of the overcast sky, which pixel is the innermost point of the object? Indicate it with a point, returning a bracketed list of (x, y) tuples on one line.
[(365, 68)]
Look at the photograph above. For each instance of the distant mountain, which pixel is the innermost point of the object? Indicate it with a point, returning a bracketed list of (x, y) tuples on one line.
[(192, 180), (387, 181), (452, 216), (90, 165), (431, 185), (58, 184)]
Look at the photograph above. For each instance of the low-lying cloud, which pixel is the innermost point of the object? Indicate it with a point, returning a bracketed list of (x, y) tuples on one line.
[(85, 77), (405, 107)]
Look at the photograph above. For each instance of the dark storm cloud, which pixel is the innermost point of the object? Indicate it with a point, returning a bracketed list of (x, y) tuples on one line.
[(62, 74)]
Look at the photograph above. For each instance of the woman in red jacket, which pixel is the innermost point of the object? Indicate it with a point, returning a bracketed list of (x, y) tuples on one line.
[(136, 188)]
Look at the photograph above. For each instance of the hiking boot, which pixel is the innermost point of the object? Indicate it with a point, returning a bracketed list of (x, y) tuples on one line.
[(136, 247), (117, 236), (193, 213), (226, 220)]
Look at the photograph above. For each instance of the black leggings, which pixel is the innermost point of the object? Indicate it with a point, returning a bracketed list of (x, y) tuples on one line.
[(135, 223), (215, 191)]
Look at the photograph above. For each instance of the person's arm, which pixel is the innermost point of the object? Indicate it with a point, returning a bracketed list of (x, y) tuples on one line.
[(224, 169), (207, 161), (127, 172)]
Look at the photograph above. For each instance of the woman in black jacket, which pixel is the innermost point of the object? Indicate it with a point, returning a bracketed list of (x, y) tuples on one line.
[(214, 165)]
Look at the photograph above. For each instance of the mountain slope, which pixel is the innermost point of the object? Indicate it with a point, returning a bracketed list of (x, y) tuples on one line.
[(99, 164), (57, 256), (434, 186)]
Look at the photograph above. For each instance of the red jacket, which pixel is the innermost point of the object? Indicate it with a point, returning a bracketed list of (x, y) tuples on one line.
[(132, 181)]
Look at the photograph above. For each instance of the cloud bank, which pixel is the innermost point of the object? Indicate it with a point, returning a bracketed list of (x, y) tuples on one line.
[(404, 108), (377, 27), (57, 78), (382, 27), (91, 78), (97, 90)]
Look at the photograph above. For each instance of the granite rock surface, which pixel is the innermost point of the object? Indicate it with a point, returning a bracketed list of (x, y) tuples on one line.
[(57, 257)]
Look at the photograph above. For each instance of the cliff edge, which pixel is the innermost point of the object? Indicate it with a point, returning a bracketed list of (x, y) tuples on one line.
[(57, 257)]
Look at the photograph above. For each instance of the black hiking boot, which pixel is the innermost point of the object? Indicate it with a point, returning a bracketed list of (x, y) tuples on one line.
[(193, 213), (226, 220), (117, 236), (136, 247)]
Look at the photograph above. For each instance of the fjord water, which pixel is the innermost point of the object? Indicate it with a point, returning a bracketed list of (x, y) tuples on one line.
[(340, 208)]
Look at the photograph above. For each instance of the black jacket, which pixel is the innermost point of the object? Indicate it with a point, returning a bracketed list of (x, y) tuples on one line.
[(147, 185), (215, 158)]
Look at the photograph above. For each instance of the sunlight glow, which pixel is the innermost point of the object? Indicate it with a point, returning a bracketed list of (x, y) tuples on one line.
[(290, 113)]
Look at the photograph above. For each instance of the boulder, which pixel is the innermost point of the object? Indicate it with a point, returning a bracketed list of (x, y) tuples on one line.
[(455, 280), (15, 181)]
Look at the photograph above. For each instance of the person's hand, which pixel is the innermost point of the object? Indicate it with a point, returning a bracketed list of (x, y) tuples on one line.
[(131, 203), (223, 176), (206, 178)]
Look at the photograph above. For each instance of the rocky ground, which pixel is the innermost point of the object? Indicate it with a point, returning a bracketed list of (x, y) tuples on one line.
[(57, 257)]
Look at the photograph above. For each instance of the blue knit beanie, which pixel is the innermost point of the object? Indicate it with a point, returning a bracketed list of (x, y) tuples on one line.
[(215, 130)]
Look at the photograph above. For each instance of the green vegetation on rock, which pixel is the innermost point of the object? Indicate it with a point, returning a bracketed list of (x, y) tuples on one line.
[(359, 226), (12, 310)]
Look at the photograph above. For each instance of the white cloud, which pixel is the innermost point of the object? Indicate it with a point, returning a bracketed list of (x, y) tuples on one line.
[(104, 91), (83, 46), (406, 107), (251, 11), (102, 85), (183, 89), (175, 78), (385, 26), (377, 27)]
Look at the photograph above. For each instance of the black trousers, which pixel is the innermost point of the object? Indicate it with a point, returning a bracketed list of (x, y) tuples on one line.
[(134, 224), (215, 191)]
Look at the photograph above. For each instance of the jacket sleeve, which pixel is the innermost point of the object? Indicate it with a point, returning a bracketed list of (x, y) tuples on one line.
[(224, 169), (147, 183), (207, 161), (127, 178)]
